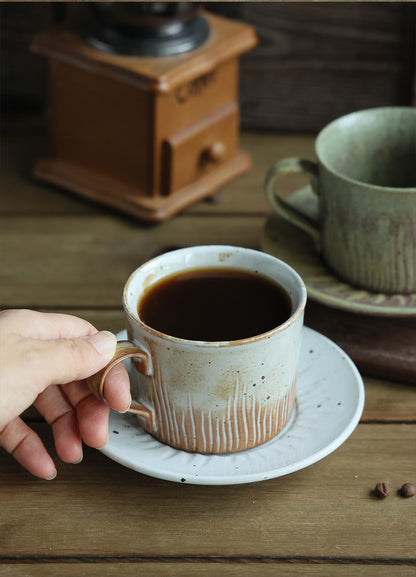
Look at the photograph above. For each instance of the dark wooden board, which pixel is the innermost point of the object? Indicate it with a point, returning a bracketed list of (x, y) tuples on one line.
[(380, 346)]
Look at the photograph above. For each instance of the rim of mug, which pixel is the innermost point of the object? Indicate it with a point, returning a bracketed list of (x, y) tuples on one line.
[(216, 344), (347, 118)]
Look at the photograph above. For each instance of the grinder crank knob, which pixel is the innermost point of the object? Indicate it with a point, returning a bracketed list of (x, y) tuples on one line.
[(215, 152)]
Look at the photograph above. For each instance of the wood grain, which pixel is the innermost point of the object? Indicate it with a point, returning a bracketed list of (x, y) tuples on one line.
[(315, 61), (389, 401), (245, 568), (102, 509), (77, 262)]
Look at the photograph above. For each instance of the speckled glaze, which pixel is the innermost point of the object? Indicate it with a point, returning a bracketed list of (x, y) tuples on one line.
[(214, 397), (365, 179), (327, 410)]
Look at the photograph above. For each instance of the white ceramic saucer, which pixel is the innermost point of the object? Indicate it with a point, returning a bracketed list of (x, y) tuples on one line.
[(329, 404)]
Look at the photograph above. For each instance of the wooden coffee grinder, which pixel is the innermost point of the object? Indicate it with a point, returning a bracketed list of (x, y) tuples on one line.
[(143, 105)]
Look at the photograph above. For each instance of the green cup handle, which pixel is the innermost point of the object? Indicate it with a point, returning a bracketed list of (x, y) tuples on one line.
[(289, 213)]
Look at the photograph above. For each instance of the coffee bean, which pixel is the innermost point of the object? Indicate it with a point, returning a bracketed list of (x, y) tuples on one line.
[(382, 490), (407, 490)]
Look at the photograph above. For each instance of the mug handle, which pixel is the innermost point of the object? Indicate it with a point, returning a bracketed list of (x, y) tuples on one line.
[(125, 350), (289, 213)]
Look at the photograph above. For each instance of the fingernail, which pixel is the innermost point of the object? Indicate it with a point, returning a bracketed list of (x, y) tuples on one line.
[(79, 460), (104, 342), (127, 408), (53, 476)]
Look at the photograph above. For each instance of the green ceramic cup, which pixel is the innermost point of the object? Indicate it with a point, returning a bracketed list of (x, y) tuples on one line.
[(365, 179)]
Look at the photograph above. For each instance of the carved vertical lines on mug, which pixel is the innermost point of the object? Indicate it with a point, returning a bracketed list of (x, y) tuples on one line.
[(234, 417), (252, 429), (365, 267), (401, 262), (210, 430), (222, 437), (198, 443), (409, 259), (174, 419), (218, 430), (228, 439), (247, 422), (398, 266), (201, 432), (183, 432), (190, 428), (359, 263), (245, 427), (207, 430), (288, 404), (281, 411), (242, 410), (370, 263), (163, 410), (258, 425), (238, 415), (251, 409), (269, 426)]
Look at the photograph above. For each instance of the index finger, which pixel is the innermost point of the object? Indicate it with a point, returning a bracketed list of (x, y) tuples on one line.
[(46, 326)]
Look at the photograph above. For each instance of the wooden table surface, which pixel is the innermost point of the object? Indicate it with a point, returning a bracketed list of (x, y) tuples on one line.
[(61, 253)]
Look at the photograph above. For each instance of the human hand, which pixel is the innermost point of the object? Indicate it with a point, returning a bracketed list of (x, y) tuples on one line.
[(44, 360)]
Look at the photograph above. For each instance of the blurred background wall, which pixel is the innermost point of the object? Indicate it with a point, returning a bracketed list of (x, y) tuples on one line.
[(315, 61)]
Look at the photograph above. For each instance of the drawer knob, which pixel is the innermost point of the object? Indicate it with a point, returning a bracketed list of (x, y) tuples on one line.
[(215, 152)]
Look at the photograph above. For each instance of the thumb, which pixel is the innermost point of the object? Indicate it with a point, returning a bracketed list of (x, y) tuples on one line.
[(67, 360)]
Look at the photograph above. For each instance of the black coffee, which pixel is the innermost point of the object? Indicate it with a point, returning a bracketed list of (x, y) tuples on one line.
[(214, 304)]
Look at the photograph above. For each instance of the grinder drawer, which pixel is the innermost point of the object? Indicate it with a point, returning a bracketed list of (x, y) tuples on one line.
[(200, 149)]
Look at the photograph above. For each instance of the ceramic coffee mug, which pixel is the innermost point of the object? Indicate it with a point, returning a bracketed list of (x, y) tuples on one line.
[(207, 396), (365, 179)]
